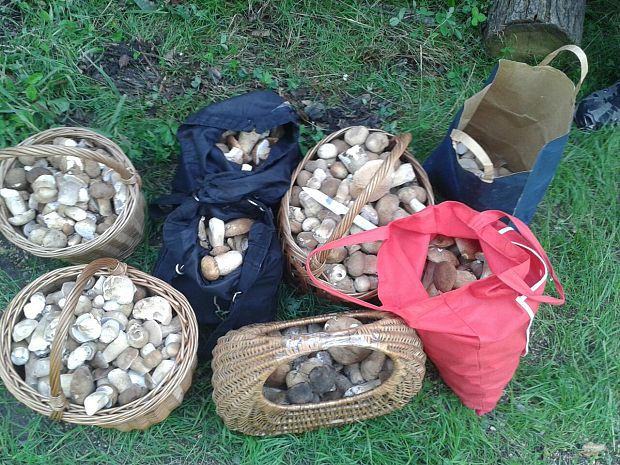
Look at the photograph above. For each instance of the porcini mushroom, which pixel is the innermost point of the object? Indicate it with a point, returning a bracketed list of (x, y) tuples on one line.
[(356, 135), (214, 267), (154, 308)]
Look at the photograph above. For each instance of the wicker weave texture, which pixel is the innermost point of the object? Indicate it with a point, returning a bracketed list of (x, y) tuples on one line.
[(121, 238), (296, 257), (140, 414), (244, 359)]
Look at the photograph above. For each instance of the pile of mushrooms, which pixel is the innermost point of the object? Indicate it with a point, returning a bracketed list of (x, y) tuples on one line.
[(469, 162), (342, 170), (226, 243), (336, 373), (63, 200), (452, 263), (248, 149), (121, 343)]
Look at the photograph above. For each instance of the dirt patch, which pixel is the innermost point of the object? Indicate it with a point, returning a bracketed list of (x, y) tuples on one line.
[(363, 110), (10, 21), (13, 262), (132, 66)]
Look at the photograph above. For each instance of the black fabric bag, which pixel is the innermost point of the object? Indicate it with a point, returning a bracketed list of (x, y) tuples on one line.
[(248, 294), (207, 184), (203, 166)]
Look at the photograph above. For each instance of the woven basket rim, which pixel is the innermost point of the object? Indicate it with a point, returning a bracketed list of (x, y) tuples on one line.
[(241, 365), (115, 416), (296, 258), (135, 199)]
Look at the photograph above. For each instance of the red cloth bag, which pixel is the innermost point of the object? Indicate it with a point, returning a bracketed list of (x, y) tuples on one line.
[(475, 334)]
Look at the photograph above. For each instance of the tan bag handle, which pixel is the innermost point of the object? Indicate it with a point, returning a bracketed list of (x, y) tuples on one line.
[(128, 175), (58, 402), (581, 55), (487, 165)]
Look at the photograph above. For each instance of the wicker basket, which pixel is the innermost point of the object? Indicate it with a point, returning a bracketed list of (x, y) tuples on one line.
[(154, 407), (296, 257), (120, 239), (244, 359)]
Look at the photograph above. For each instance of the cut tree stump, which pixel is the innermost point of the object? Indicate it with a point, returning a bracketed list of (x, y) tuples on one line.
[(533, 27)]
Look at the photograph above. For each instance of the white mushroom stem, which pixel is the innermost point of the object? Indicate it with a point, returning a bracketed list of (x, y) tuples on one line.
[(162, 370), (116, 347), (217, 230), (403, 174), (65, 384), (317, 179), (324, 231), (235, 155), (416, 205), (14, 201), (22, 218), (261, 151), (96, 401), (342, 194), (336, 273), (104, 206)]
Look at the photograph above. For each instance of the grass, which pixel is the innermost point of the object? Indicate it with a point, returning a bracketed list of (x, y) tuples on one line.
[(59, 66)]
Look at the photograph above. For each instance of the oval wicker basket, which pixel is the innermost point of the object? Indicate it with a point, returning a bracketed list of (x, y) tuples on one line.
[(244, 359), (296, 257), (120, 239), (154, 407)]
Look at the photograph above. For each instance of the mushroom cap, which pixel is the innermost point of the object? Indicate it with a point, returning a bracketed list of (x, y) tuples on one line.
[(101, 190), (237, 227), (137, 336), (356, 135), (119, 288), (82, 384), (153, 308)]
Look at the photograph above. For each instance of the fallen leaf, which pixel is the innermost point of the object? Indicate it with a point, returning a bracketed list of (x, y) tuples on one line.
[(263, 33), (590, 449), (123, 60), (215, 74)]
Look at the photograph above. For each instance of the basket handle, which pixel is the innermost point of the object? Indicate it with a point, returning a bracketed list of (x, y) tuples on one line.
[(386, 168), (58, 401), (474, 147), (128, 175), (581, 56)]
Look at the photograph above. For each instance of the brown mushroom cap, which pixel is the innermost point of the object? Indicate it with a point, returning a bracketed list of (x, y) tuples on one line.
[(101, 190), (35, 172)]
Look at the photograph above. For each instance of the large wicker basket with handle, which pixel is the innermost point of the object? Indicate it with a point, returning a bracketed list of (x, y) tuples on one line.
[(120, 239), (245, 358), (154, 407), (296, 257)]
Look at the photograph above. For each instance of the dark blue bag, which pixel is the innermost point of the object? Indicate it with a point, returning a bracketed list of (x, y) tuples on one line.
[(202, 165), (207, 184), (522, 117), (248, 294)]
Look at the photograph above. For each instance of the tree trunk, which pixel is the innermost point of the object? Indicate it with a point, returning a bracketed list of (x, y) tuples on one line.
[(533, 27)]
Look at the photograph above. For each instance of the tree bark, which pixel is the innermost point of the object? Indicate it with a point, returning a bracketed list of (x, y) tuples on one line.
[(533, 27)]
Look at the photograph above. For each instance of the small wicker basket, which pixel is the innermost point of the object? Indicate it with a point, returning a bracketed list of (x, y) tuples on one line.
[(154, 407), (120, 239), (244, 359), (296, 257)]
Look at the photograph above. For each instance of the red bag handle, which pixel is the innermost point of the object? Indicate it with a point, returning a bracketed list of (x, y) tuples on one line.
[(482, 220), (509, 277), (366, 236)]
